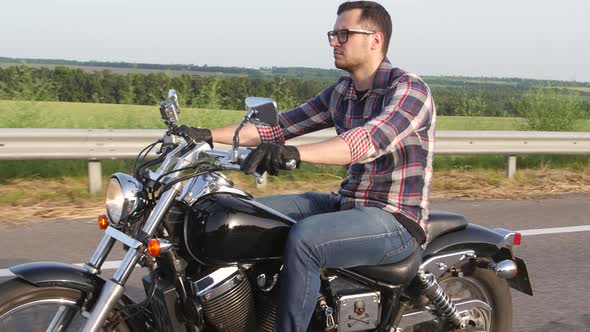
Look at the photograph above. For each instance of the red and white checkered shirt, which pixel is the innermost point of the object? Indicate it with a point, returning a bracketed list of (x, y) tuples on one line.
[(390, 132)]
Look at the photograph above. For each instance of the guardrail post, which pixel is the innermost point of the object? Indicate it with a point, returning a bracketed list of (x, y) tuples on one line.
[(94, 176), (511, 166)]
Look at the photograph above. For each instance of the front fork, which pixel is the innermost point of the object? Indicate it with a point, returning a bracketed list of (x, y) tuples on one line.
[(113, 288)]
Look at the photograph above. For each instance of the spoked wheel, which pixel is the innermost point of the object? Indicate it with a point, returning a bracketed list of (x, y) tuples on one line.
[(24, 307), (482, 285)]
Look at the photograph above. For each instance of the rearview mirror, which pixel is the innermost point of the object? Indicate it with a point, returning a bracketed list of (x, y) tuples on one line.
[(262, 110)]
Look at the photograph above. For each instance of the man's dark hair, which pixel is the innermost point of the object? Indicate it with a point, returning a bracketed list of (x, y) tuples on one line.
[(374, 14)]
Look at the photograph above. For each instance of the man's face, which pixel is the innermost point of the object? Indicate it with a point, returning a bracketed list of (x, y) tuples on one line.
[(350, 55)]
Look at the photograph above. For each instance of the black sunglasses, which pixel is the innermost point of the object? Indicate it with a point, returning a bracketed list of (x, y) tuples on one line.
[(342, 34)]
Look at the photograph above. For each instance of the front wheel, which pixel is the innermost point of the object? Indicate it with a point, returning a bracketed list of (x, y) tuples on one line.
[(483, 285), (25, 307)]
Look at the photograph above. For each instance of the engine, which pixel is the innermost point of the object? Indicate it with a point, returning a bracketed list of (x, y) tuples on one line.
[(227, 300), (231, 304)]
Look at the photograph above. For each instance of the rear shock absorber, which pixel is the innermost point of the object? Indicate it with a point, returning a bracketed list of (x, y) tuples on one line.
[(438, 297)]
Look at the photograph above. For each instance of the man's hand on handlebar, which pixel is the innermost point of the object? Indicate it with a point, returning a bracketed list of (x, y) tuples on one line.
[(271, 158), (197, 134)]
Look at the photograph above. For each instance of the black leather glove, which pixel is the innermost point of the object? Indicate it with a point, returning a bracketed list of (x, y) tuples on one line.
[(197, 134), (269, 157)]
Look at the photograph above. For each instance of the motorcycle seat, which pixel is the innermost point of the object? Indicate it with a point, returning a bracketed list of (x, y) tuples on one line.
[(442, 222), (399, 273), (402, 272)]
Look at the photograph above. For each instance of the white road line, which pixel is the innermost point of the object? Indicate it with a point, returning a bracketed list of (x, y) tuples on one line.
[(555, 230), (111, 265)]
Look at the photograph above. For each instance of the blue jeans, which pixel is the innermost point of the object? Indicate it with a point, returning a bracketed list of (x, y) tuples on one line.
[(325, 237)]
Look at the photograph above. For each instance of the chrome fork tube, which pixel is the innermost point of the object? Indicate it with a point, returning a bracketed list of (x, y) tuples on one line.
[(101, 253), (113, 289), (110, 294)]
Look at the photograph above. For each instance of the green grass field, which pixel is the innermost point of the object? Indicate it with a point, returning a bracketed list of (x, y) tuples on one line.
[(31, 114), (23, 114)]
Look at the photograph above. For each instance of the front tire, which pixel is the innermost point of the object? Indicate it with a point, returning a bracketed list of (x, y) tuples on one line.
[(26, 307)]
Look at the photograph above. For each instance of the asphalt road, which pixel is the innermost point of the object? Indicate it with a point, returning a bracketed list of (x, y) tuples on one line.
[(558, 263)]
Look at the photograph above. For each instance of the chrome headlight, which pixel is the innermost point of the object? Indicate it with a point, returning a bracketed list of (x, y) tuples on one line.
[(122, 197)]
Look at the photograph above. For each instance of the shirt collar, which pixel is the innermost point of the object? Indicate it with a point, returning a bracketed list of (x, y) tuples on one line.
[(384, 76)]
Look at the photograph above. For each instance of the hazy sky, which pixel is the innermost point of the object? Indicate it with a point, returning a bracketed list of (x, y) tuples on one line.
[(517, 38)]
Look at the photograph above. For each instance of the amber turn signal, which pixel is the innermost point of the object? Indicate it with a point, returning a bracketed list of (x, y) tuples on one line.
[(103, 222), (154, 247)]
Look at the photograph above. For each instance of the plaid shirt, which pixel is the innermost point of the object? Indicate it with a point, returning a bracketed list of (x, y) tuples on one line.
[(390, 132)]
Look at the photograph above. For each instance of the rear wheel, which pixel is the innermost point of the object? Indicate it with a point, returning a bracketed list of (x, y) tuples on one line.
[(25, 307), (481, 285)]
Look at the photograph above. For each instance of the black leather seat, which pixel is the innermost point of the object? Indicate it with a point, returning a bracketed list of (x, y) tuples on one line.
[(442, 222), (399, 273), (402, 272)]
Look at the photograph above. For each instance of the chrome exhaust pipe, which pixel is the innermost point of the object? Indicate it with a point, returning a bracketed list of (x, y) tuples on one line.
[(506, 269)]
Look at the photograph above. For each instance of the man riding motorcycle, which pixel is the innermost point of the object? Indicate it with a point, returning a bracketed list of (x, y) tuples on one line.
[(385, 120)]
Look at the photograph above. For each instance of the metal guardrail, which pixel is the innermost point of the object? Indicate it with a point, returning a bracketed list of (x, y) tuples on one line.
[(102, 144)]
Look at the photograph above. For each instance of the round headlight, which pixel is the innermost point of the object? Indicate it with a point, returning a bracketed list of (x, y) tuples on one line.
[(122, 197)]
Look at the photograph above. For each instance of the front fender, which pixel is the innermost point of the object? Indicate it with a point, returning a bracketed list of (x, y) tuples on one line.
[(53, 274)]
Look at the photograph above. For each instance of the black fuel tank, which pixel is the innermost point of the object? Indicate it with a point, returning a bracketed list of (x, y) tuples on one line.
[(228, 229)]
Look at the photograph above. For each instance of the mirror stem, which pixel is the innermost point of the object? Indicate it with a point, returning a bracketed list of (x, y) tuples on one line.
[(236, 140)]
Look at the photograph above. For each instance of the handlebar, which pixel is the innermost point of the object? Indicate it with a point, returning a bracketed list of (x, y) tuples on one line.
[(242, 154)]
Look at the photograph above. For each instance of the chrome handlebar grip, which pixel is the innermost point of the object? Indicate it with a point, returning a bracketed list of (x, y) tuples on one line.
[(290, 164)]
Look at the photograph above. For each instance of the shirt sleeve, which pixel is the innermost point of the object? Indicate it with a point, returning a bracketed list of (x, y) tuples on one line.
[(410, 108), (311, 116)]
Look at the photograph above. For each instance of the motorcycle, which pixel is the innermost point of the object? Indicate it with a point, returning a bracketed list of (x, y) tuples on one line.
[(214, 255)]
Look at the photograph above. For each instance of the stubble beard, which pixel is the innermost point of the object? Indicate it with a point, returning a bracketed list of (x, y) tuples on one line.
[(348, 67)]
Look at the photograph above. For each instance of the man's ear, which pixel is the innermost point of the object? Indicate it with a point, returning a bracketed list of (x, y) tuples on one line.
[(377, 41)]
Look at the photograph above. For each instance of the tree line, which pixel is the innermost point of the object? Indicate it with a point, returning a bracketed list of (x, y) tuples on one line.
[(452, 96)]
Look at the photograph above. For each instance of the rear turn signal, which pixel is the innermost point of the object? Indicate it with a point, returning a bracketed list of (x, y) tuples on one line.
[(103, 222), (517, 239), (154, 247)]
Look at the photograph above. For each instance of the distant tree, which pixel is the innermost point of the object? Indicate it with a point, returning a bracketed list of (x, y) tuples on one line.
[(547, 109), (209, 94), (19, 83)]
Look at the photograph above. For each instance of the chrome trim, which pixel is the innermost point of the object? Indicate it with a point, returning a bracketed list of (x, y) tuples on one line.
[(261, 282), (87, 267), (110, 294), (508, 236), (209, 184), (42, 302), (417, 317), (506, 269), (438, 265), (127, 265), (101, 252), (217, 283), (133, 254), (122, 237), (171, 158), (160, 209), (62, 319), (130, 188), (165, 246)]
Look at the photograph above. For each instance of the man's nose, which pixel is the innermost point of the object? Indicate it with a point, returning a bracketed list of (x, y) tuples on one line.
[(334, 42)]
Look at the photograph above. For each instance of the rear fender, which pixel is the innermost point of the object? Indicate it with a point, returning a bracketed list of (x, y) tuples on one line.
[(496, 244), (484, 241)]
